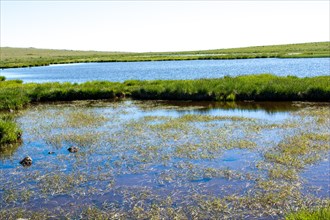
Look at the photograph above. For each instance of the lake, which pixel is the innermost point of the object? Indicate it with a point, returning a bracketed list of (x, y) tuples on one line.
[(195, 69), (174, 159)]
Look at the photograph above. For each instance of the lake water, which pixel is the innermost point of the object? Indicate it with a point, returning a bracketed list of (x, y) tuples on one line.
[(172, 155), (195, 69)]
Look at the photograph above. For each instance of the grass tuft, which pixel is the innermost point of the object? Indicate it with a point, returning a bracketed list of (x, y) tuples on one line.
[(305, 214), (9, 131)]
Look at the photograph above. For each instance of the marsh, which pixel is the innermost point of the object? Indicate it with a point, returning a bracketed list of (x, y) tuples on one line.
[(169, 159)]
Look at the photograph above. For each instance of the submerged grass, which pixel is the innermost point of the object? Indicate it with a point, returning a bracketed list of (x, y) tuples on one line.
[(174, 161), (80, 118), (300, 150)]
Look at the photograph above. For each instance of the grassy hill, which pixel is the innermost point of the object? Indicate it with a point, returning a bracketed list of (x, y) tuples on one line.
[(27, 57)]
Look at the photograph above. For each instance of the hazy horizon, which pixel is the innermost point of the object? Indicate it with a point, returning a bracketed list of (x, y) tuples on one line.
[(161, 26), (155, 51)]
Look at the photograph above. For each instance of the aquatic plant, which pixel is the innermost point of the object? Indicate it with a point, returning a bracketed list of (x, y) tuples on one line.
[(306, 214), (9, 132), (299, 150), (10, 135)]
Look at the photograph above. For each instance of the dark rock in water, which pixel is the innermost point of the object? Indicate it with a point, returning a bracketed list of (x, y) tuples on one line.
[(73, 149), (26, 162), (51, 152)]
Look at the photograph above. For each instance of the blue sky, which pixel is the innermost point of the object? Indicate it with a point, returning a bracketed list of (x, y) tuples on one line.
[(161, 25)]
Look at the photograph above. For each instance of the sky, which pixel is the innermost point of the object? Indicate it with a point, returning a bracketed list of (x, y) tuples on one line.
[(144, 26)]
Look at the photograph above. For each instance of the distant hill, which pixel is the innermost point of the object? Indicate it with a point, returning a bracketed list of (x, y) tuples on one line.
[(28, 57)]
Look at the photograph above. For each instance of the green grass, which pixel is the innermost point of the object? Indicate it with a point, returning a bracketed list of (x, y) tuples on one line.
[(320, 214), (15, 95), (262, 87), (9, 131), (27, 57)]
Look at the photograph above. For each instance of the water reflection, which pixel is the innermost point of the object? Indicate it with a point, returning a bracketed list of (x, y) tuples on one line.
[(260, 110), (8, 150), (268, 107)]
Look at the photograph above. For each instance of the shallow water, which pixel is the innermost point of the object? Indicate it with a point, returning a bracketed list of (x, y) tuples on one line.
[(134, 152), (195, 69)]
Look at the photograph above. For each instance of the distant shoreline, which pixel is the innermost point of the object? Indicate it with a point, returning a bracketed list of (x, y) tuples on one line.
[(31, 57)]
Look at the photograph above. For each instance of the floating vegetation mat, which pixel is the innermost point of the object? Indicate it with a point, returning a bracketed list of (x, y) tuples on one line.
[(161, 160)]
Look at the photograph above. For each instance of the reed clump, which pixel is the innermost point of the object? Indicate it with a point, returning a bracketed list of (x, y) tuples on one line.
[(9, 130)]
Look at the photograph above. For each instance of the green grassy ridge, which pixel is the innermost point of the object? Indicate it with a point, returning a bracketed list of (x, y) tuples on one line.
[(260, 87), (15, 95), (28, 57), (313, 47)]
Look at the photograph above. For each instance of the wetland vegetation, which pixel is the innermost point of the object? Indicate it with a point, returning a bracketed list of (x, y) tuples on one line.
[(157, 159), (261, 87), (323, 213), (28, 57), (15, 95)]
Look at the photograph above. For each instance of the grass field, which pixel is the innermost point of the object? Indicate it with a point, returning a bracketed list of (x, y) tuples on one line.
[(27, 57)]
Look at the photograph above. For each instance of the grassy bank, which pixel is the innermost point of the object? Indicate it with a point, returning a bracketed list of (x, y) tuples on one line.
[(261, 87), (15, 95), (27, 57)]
